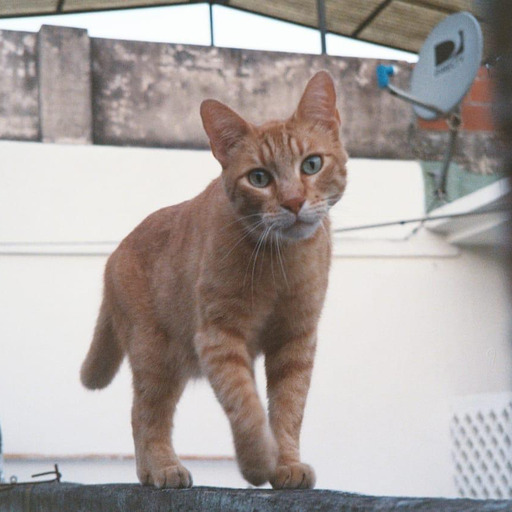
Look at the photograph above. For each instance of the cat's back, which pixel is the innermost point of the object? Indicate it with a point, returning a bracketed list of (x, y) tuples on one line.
[(170, 229), (160, 259)]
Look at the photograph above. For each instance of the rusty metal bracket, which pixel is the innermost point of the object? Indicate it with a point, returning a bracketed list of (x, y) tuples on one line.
[(14, 481)]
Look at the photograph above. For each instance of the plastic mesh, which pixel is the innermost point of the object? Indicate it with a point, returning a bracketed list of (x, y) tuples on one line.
[(482, 449)]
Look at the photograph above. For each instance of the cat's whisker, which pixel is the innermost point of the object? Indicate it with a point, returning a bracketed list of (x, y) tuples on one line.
[(240, 219), (272, 256), (323, 227), (261, 241), (277, 219), (280, 258), (320, 206), (332, 200), (237, 241), (265, 238), (248, 230), (254, 251)]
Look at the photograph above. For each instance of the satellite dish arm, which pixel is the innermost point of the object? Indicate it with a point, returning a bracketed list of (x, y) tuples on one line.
[(383, 74), (415, 101)]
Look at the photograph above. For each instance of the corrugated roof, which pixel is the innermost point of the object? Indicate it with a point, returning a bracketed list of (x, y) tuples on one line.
[(402, 24)]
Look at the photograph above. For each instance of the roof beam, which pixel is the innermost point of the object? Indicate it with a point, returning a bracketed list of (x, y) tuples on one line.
[(105, 9), (429, 5), (445, 10), (370, 18)]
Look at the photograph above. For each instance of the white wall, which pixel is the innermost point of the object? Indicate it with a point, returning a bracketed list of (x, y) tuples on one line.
[(408, 325)]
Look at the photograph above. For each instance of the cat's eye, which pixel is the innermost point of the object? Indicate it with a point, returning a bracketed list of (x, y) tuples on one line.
[(312, 164), (259, 178)]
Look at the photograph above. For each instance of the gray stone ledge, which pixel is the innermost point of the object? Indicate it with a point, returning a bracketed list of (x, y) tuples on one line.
[(66, 497)]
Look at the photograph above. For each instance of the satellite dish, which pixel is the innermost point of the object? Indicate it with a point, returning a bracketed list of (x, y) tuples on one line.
[(447, 66), (448, 63)]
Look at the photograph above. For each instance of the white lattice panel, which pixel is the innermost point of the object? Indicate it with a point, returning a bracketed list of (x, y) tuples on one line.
[(481, 433)]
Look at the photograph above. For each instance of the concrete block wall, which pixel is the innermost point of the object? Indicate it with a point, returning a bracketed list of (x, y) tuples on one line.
[(19, 86), (62, 86), (65, 102)]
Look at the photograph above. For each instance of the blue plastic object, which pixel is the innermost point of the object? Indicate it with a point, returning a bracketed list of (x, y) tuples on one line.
[(383, 74)]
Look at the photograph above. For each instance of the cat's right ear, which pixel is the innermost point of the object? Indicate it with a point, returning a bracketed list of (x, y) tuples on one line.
[(224, 127), (318, 102)]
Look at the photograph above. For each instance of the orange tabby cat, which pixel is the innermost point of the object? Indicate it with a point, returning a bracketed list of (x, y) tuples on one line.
[(203, 287)]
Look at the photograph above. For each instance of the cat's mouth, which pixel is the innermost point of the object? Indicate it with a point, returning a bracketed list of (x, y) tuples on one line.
[(301, 229), (292, 226)]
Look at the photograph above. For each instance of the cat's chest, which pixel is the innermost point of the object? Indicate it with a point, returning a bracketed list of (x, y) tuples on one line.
[(289, 310), (272, 273), (258, 278), (266, 294)]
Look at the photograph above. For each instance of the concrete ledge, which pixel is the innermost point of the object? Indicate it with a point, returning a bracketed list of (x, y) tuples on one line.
[(65, 497)]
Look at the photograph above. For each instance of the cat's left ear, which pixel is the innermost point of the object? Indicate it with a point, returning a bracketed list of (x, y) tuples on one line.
[(318, 102), (224, 127)]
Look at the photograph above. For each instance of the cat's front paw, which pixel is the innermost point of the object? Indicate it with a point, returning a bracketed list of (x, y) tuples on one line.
[(258, 459), (294, 476), (174, 477), (258, 475)]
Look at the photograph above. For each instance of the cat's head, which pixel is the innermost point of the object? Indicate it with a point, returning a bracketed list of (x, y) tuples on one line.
[(282, 176)]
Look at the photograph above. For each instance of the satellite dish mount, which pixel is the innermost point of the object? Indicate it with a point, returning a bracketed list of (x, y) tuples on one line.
[(447, 66)]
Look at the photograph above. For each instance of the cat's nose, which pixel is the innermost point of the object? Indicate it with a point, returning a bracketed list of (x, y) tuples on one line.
[(294, 204)]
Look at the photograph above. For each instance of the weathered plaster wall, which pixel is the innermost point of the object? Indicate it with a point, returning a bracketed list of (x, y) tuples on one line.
[(19, 87), (61, 86), (149, 94), (64, 74)]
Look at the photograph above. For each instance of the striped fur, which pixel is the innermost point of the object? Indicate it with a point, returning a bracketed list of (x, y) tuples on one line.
[(204, 287)]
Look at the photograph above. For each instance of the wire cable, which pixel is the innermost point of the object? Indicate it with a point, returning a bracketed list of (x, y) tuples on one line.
[(423, 219)]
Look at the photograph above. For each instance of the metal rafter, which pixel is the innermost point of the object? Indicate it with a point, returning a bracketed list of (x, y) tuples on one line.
[(370, 18), (318, 12)]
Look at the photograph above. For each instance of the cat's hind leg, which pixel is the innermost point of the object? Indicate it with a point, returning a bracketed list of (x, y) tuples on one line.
[(157, 387)]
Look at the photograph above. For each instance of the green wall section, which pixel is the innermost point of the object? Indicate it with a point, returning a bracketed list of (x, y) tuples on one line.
[(459, 183)]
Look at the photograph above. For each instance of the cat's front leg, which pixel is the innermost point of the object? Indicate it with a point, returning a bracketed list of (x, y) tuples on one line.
[(227, 364), (288, 367)]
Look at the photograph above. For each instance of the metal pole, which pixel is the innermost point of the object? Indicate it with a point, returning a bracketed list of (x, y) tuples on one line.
[(320, 4), (454, 122), (212, 38)]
